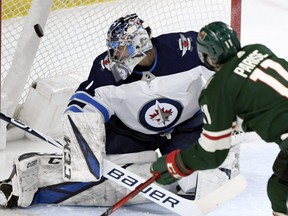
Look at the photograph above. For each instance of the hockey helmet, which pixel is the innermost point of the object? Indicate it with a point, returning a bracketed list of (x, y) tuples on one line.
[(128, 42), (218, 41)]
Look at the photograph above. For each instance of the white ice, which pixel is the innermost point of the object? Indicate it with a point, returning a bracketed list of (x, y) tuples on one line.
[(263, 21)]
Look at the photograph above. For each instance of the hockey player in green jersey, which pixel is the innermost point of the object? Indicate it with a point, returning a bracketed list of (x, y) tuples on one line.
[(249, 91)]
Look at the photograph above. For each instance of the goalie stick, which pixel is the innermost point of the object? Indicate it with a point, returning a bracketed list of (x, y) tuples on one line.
[(31, 131), (133, 193), (154, 192)]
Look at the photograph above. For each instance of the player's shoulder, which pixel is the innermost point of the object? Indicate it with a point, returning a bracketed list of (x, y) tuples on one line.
[(257, 48), (101, 66), (100, 73), (249, 55), (174, 36), (102, 62), (180, 45)]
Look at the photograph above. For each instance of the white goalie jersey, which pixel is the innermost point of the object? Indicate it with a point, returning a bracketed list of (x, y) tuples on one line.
[(151, 100)]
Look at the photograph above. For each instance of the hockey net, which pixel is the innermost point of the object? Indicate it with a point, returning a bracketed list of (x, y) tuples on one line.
[(74, 34)]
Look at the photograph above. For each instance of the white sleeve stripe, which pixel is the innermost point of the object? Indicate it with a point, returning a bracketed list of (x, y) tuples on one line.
[(214, 145), (87, 99), (89, 85), (220, 133)]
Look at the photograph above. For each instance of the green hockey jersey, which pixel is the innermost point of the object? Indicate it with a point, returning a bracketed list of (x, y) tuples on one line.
[(249, 92)]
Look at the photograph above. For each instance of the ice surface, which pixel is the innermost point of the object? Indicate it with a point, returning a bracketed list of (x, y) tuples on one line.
[(263, 21)]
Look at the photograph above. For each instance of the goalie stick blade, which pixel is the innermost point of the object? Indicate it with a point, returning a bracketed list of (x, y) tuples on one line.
[(222, 194), (171, 201)]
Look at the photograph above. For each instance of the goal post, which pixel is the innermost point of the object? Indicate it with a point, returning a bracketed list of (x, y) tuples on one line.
[(236, 6), (39, 73)]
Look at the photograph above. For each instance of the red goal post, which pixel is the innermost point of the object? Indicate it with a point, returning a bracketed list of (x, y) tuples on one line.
[(74, 34), (235, 22)]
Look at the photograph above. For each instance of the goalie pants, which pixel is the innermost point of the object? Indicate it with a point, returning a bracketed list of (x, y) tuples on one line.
[(121, 139), (277, 188)]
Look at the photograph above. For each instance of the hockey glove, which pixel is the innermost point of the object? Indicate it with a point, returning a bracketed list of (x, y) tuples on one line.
[(170, 167)]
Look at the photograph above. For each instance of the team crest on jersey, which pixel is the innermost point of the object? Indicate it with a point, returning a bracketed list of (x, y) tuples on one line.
[(105, 63), (185, 44), (161, 114)]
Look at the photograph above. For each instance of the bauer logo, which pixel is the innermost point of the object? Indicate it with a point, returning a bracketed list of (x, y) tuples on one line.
[(152, 192)]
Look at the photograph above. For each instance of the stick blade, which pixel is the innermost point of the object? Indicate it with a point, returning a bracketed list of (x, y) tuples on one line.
[(223, 194)]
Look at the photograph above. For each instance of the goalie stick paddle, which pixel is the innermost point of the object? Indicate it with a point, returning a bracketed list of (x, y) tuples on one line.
[(154, 192)]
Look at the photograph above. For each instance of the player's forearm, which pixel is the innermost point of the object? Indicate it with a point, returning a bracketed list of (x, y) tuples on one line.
[(196, 158)]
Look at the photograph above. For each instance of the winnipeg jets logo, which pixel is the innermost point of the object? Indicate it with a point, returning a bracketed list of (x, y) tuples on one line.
[(185, 44), (161, 114), (105, 63)]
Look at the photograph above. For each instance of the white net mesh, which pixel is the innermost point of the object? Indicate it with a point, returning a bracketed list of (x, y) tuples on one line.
[(75, 31)]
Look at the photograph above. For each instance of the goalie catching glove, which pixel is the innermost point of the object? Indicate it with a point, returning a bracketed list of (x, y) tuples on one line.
[(170, 167)]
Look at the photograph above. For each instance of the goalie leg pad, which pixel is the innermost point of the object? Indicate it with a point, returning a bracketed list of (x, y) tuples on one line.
[(28, 168), (204, 182), (38, 180), (108, 193), (84, 136), (210, 180)]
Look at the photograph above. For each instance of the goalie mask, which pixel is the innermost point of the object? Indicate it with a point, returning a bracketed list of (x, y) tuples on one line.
[(128, 42)]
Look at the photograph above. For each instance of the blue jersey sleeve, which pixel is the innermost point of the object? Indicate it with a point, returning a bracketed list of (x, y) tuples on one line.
[(99, 76)]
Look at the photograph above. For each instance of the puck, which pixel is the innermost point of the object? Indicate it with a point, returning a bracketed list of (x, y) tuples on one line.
[(38, 30)]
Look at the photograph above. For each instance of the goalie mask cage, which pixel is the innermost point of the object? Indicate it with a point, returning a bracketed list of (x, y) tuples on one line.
[(74, 34)]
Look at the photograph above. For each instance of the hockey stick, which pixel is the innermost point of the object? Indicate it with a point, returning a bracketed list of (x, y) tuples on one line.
[(154, 192), (172, 201), (31, 131), (130, 195)]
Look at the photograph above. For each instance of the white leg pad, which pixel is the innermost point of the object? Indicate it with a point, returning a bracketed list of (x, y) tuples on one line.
[(83, 156), (29, 168), (204, 182), (188, 184), (34, 171), (108, 193), (210, 180)]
